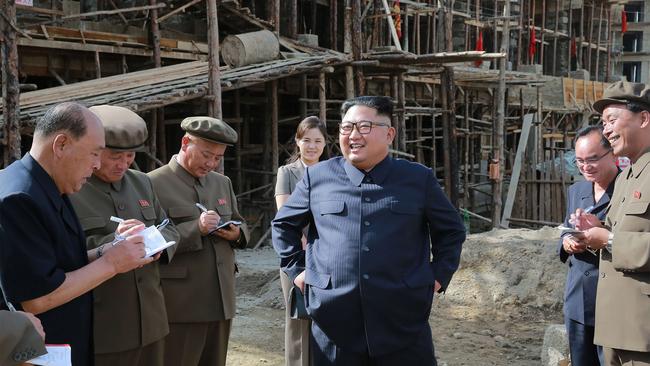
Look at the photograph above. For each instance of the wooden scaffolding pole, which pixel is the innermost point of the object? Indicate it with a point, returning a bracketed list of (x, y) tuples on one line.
[(275, 153), (157, 146), (333, 24), (357, 44), (449, 134), (275, 16), (10, 83), (498, 154), (293, 19), (322, 105), (214, 75), (401, 115)]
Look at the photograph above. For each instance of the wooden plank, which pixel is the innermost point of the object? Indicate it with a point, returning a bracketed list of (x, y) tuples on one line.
[(178, 10), (391, 26), (34, 9), (516, 170), (72, 46)]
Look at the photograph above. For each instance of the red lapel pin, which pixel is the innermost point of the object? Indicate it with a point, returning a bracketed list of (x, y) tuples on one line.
[(637, 194)]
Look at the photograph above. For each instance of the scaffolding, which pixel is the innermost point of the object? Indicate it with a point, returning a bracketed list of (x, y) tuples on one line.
[(488, 92)]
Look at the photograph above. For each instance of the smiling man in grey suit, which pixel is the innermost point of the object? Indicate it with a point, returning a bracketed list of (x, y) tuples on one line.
[(382, 238)]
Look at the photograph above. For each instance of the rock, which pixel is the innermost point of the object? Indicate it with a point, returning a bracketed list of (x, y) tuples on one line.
[(457, 335), (555, 350)]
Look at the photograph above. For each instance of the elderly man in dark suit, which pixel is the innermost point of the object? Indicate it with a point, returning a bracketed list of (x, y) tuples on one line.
[(383, 238), (623, 299), (45, 267), (597, 164)]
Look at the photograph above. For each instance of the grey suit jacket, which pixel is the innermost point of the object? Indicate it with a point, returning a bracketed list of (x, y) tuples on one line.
[(288, 176), (19, 340)]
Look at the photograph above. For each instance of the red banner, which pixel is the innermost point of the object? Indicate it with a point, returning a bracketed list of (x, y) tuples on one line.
[(623, 22)]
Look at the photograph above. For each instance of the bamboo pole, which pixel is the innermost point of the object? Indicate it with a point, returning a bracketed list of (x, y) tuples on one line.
[(10, 84)]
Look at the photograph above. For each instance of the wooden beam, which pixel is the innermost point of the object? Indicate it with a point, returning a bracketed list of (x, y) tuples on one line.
[(35, 9), (178, 10), (214, 76), (111, 12), (391, 25), (498, 152), (516, 170), (275, 112), (120, 50), (322, 92), (10, 83)]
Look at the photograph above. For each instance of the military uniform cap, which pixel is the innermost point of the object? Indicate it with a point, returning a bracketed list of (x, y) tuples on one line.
[(211, 129), (623, 92), (123, 128)]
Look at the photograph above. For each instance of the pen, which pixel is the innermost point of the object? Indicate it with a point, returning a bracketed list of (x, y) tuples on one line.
[(116, 219), (589, 209), (201, 207)]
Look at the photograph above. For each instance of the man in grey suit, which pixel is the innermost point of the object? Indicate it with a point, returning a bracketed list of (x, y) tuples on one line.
[(382, 239), (623, 298)]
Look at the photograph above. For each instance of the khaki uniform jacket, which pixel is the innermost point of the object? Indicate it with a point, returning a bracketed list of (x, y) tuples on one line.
[(199, 285), (19, 340), (129, 309), (623, 298)]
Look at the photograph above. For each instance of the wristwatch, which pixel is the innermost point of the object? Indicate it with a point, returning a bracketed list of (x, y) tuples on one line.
[(100, 251), (610, 240)]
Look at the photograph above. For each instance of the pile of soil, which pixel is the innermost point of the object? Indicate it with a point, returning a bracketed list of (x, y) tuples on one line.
[(507, 290)]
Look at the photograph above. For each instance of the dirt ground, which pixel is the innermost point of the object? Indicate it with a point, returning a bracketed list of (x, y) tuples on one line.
[(495, 311)]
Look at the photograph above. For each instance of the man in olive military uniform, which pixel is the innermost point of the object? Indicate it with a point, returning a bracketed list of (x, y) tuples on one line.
[(199, 285), (21, 337), (623, 297), (130, 320)]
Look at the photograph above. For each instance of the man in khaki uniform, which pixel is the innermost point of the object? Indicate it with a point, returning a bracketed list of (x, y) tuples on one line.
[(130, 320), (199, 285), (623, 297), (21, 337)]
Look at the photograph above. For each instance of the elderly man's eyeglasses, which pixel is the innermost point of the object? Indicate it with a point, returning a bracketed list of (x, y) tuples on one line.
[(364, 127), (591, 161)]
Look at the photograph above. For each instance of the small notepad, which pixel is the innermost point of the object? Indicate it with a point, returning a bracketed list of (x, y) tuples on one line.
[(57, 355)]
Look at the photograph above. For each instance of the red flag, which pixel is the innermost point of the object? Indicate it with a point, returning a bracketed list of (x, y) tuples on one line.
[(398, 19), (479, 47), (574, 49), (531, 46), (623, 22)]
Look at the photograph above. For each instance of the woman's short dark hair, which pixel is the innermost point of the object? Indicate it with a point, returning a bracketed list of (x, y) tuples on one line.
[(305, 125), (584, 131), (383, 105)]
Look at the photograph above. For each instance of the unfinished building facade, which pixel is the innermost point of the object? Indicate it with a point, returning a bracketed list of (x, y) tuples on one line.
[(488, 92)]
